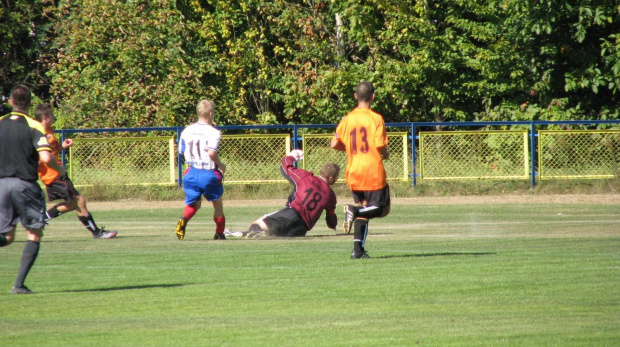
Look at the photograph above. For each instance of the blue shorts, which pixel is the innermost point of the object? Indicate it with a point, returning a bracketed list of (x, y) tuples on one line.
[(197, 182)]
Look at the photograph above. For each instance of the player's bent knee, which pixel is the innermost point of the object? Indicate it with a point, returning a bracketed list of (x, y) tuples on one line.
[(35, 235), (384, 211), (6, 240), (370, 212), (71, 205)]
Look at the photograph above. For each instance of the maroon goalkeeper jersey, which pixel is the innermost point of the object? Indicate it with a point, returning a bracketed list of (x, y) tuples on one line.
[(311, 194)]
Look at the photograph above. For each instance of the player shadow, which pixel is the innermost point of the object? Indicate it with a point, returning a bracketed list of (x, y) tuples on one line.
[(112, 289), (443, 254), (343, 234), (87, 239)]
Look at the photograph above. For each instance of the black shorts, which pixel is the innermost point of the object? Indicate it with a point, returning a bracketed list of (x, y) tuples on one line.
[(379, 198), (21, 201), (285, 223), (61, 189)]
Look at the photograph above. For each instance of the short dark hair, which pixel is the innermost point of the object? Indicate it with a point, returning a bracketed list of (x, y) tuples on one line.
[(330, 170), (20, 97), (364, 91), (42, 110)]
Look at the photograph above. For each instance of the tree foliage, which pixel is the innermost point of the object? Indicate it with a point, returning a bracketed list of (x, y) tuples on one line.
[(24, 30), (570, 57), (146, 63), (125, 63)]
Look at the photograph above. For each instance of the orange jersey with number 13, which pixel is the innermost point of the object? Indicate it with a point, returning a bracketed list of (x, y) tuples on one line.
[(362, 131)]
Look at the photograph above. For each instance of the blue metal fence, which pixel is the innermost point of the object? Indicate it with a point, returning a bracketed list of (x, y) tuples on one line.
[(413, 128)]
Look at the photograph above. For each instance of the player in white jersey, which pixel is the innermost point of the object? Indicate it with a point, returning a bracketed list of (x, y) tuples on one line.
[(199, 144), (196, 141)]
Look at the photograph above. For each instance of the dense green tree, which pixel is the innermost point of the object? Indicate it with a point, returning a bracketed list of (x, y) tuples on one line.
[(570, 66), (273, 58), (24, 36), (146, 63), (125, 64), (490, 60)]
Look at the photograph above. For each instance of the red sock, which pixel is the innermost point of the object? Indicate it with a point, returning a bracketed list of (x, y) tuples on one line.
[(220, 223), (189, 212)]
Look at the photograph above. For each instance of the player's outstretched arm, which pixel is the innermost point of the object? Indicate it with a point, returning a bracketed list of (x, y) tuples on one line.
[(337, 145), (331, 219), (67, 143), (385, 155), (216, 159)]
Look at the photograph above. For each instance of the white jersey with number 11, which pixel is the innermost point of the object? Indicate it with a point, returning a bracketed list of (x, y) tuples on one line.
[(196, 141)]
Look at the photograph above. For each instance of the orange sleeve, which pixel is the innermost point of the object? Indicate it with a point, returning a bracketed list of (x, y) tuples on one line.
[(47, 174), (381, 139), (339, 134)]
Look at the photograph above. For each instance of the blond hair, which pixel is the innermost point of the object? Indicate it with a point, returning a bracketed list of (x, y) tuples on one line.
[(205, 108)]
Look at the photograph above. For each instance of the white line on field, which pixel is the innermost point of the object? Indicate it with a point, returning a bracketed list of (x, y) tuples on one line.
[(381, 225)]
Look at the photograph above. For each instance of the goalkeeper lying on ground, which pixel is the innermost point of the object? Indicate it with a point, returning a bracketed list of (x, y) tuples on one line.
[(311, 195)]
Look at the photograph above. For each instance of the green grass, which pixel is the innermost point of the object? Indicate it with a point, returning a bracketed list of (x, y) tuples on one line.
[(397, 189), (441, 275)]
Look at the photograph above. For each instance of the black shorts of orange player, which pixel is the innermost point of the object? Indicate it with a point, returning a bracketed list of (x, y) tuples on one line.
[(379, 198), (61, 189)]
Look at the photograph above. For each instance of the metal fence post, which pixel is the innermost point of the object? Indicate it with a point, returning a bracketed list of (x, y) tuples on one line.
[(179, 159), (413, 147), (533, 154), (63, 156), (295, 139)]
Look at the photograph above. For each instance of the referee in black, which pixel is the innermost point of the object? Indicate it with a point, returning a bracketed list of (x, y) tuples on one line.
[(22, 145)]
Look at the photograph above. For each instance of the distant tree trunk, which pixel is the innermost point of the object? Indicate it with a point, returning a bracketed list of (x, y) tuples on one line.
[(339, 41)]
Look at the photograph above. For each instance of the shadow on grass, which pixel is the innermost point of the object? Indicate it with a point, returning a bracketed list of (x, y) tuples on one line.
[(343, 234), (444, 254), (88, 239), (111, 289)]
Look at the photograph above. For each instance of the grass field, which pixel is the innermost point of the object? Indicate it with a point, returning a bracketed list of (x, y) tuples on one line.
[(471, 273)]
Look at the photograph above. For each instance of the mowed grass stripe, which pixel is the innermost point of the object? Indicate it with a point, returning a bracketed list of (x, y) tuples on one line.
[(509, 281)]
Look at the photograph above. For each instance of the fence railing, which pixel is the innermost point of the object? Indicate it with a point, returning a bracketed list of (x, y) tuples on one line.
[(419, 151), (575, 154), (123, 161), (317, 151), (451, 155)]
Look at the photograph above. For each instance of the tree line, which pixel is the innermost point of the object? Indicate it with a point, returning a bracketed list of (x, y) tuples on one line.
[(133, 63)]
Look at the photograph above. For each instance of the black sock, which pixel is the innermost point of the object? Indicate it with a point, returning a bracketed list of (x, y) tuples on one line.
[(31, 250), (3, 241), (360, 231), (52, 213), (89, 223)]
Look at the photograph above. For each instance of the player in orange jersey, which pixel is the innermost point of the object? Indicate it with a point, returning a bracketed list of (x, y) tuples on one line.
[(361, 134), (60, 187)]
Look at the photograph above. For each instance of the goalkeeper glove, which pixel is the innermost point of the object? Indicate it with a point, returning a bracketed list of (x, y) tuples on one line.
[(298, 154)]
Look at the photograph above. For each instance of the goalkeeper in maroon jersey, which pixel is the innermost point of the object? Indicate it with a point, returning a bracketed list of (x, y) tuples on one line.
[(310, 197)]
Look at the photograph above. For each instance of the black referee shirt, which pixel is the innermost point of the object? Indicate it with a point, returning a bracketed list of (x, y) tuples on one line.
[(21, 139)]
